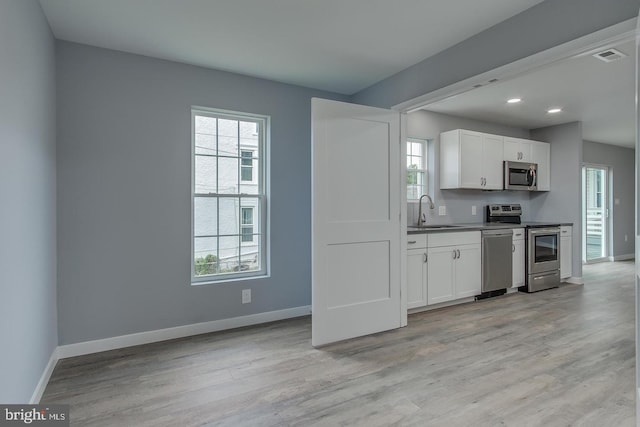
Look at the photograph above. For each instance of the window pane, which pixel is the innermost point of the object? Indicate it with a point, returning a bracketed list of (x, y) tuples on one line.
[(229, 254), (229, 221), (250, 257), (205, 174), (227, 146), (251, 205), (205, 255), (416, 149), (228, 175), (205, 216), (205, 144), (228, 128), (206, 125)]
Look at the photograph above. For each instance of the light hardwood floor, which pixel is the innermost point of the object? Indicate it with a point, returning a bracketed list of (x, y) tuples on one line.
[(555, 358)]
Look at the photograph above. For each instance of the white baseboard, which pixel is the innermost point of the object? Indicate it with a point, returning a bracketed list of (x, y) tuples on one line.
[(623, 257), (44, 379), (574, 280), (96, 346)]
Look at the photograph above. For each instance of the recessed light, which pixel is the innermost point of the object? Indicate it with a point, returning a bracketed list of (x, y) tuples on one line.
[(554, 110), (514, 100)]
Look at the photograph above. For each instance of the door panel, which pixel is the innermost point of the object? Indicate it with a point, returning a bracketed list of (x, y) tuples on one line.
[(356, 228), (440, 274), (470, 159), (492, 162), (468, 272), (416, 278)]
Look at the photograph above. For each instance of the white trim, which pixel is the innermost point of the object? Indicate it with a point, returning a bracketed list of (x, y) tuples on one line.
[(44, 378), (586, 45), (623, 257), (122, 341), (574, 280)]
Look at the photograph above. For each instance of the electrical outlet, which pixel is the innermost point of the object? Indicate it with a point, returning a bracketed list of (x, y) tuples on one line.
[(626, 237), (442, 210), (246, 296), (473, 210), (616, 201)]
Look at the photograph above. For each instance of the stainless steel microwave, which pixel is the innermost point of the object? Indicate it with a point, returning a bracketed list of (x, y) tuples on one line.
[(520, 176)]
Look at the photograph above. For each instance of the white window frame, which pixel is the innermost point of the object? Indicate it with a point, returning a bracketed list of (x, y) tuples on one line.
[(260, 175), (243, 224), (423, 169)]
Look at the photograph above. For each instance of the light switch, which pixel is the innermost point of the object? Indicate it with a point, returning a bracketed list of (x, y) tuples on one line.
[(442, 210), (616, 201), (473, 210)]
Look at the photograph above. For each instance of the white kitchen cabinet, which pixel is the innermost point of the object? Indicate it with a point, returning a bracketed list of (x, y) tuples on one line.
[(454, 266), (566, 251), (416, 271), (518, 258), (541, 154), (470, 160), (517, 149)]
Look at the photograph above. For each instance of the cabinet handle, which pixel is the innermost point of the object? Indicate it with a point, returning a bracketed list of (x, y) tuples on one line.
[(564, 231), (425, 257), (411, 242), (513, 248), (458, 252), (480, 181), (454, 254)]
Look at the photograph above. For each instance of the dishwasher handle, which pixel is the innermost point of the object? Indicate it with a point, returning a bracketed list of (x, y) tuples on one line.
[(497, 233)]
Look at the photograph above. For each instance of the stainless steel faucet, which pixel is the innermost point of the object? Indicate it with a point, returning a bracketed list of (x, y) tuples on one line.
[(420, 220)]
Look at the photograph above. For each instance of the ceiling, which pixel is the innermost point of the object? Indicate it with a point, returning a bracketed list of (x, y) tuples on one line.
[(600, 95), (336, 45)]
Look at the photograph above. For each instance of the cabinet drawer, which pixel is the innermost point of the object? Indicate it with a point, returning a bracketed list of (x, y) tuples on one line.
[(415, 241), (454, 239), (566, 230), (518, 234)]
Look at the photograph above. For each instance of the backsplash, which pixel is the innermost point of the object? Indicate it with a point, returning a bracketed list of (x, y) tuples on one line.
[(459, 203)]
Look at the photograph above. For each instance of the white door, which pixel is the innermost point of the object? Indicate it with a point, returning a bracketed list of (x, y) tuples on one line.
[(518, 263), (440, 274), (416, 278), (471, 160), (356, 226), (468, 271), (492, 162)]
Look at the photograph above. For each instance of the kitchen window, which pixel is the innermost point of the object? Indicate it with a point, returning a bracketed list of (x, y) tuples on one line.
[(416, 168), (229, 198)]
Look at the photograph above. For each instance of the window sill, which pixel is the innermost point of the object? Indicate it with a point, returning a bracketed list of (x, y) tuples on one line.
[(221, 281)]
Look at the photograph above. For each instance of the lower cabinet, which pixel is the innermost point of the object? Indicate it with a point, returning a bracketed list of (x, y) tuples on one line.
[(518, 259), (566, 252), (416, 277), (454, 271)]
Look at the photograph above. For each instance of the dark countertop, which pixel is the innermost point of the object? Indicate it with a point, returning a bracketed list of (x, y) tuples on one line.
[(482, 226)]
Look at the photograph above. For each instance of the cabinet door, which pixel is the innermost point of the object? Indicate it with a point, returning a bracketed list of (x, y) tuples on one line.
[(440, 274), (511, 150), (468, 272), (540, 154), (492, 162), (471, 147), (416, 278), (565, 257), (518, 263)]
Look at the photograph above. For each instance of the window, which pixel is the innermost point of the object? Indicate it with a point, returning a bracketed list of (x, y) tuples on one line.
[(416, 168), (247, 225), (246, 165), (228, 195)]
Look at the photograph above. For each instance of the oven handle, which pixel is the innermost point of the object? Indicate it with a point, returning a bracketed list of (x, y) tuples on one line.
[(545, 231)]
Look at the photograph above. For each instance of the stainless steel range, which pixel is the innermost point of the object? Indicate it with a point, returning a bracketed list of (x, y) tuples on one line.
[(543, 258), (542, 252)]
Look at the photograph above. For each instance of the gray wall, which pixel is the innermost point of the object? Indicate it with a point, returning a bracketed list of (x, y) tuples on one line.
[(564, 201), (621, 162), (27, 186), (124, 193), (541, 27), (428, 125)]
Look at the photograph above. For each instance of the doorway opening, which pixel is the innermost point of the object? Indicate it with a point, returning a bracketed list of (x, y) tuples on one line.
[(595, 213)]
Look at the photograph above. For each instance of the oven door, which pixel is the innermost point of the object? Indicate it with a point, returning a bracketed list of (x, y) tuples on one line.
[(543, 250)]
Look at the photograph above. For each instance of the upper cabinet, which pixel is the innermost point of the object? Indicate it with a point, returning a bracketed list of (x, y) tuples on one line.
[(517, 149), (474, 160), (541, 154), (470, 160)]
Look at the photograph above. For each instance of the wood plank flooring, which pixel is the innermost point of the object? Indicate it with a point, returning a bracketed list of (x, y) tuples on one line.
[(555, 358)]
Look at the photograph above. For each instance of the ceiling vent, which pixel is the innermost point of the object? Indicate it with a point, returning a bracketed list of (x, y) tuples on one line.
[(610, 55)]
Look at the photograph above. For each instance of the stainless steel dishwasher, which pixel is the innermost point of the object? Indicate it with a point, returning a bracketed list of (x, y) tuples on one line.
[(497, 261)]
